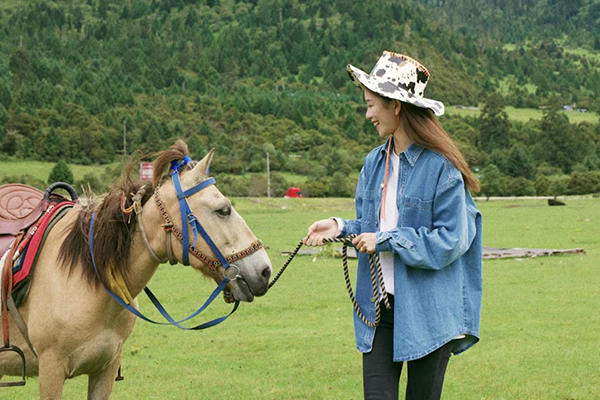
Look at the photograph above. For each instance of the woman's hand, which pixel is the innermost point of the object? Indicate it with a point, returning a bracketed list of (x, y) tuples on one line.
[(325, 228), (365, 242)]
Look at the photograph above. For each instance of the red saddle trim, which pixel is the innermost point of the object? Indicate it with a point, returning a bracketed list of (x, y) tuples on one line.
[(34, 238)]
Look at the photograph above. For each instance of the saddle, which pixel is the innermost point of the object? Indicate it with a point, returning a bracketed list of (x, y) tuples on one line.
[(24, 211), (20, 207)]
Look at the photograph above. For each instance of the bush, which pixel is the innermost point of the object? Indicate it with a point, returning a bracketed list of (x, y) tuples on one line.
[(25, 180), (233, 186), (584, 182), (61, 173), (316, 188), (559, 186), (542, 186), (493, 183), (258, 185), (92, 182), (341, 186), (520, 187)]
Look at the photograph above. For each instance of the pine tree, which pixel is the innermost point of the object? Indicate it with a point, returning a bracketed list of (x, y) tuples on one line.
[(61, 173)]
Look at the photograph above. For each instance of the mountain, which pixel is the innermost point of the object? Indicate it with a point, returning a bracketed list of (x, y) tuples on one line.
[(248, 77)]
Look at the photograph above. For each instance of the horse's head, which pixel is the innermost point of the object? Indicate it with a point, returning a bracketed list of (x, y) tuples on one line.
[(249, 266)]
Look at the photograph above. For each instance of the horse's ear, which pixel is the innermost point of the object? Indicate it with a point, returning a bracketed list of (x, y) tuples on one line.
[(201, 170)]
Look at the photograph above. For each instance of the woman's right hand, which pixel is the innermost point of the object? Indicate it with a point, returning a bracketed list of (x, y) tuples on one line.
[(325, 228)]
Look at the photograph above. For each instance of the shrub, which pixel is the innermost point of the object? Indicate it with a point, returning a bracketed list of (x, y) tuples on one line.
[(584, 182), (25, 180), (493, 183), (61, 173), (542, 186), (92, 182), (559, 186), (521, 187), (316, 188)]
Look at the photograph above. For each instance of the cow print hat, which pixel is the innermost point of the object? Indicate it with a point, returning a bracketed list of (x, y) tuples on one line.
[(399, 77)]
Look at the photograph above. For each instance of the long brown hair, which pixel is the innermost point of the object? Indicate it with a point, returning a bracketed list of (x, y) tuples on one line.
[(424, 129)]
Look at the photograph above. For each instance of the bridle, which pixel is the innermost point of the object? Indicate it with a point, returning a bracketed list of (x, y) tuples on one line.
[(171, 229), (190, 219)]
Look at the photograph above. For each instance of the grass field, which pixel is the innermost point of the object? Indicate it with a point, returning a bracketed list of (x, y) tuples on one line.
[(539, 331), (526, 114), (41, 169)]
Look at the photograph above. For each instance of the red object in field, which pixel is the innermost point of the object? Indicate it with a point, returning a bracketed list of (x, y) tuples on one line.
[(293, 192)]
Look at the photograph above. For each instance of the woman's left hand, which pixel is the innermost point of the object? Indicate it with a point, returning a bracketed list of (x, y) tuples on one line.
[(365, 242)]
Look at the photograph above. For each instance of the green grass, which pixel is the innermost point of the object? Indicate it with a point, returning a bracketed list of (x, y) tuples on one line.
[(539, 320), (41, 170), (526, 114)]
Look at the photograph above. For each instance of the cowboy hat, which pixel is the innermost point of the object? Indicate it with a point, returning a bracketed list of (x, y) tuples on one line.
[(399, 77)]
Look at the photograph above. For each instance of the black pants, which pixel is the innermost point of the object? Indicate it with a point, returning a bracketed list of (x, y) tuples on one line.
[(381, 374)]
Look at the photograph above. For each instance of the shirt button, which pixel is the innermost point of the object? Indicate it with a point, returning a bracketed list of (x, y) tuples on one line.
[(382, 185)]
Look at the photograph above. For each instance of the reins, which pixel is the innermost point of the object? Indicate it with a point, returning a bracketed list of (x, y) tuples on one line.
[(376, 276)]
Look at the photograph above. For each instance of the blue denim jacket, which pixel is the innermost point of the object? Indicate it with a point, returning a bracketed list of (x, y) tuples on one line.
[(438, 254)]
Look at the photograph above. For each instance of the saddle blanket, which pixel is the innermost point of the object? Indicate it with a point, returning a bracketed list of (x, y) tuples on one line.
[(28, 249)]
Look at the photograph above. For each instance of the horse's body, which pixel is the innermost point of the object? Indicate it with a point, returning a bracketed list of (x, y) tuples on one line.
[(75, 326)]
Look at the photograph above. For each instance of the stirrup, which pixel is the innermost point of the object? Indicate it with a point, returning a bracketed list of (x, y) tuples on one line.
[(23, 370)]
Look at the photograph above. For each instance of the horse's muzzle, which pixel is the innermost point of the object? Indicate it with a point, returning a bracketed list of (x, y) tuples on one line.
[(247, 286)]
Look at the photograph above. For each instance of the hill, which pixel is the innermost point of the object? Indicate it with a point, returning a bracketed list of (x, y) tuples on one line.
[(87, 80)]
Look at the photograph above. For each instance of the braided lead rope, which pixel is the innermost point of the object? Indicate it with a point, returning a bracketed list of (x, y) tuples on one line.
[(376, 273), (285, 265)]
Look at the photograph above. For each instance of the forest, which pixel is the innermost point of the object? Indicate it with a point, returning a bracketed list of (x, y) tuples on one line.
[(91, 81)]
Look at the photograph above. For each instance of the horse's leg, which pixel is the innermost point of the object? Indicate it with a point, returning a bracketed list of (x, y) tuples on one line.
[(100, 384), (51, 377)]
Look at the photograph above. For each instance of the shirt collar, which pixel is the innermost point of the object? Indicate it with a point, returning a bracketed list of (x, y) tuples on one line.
[(411, 154)]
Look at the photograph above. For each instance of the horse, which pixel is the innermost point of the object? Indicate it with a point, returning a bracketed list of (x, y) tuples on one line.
[(74, 325)]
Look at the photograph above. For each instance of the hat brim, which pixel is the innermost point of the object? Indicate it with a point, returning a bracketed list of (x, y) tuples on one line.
[(387, 89)]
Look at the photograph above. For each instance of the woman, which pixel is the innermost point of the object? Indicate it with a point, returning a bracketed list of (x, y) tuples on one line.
[(413, 207)]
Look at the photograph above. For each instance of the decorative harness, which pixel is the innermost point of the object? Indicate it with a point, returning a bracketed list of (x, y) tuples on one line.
[(190, 219)]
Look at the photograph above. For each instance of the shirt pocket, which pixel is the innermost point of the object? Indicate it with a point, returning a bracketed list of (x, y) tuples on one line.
[(417, 213), (368, 208)]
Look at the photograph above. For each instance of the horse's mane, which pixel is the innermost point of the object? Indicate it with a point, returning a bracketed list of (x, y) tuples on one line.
[(113, 229)]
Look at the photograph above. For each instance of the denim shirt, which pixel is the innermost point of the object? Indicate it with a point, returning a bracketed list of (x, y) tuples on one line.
[(437, 249)]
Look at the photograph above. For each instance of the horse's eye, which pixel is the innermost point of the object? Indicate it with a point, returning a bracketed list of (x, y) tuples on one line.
[(224, 211)]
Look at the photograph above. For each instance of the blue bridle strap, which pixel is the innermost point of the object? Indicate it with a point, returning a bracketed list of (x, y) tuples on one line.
[(187, 217)]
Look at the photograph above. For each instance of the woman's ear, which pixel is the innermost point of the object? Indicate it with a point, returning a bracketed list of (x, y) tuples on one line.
[(397, 107)]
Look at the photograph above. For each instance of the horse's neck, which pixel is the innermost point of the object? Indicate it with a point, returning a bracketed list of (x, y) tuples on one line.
[(143, 266)]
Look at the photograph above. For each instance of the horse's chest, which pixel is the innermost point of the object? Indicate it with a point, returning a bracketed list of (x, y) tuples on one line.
[(93, 354)]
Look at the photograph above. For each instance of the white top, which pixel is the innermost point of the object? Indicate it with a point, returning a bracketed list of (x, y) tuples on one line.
[(390, 222)]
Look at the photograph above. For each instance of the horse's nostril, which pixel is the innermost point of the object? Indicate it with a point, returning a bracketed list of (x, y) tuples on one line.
[(266, 273)]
